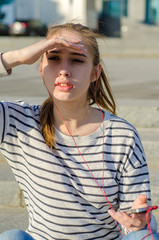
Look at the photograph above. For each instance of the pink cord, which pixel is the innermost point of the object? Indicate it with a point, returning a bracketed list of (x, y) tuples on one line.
[(148, 225)]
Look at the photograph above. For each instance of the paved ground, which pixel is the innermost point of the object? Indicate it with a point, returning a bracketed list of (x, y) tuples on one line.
[(132, 67)]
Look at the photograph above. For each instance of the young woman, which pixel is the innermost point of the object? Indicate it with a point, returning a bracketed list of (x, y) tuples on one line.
[(77, 164)]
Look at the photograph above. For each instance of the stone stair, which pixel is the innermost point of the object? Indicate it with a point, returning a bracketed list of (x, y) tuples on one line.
[(13, 213), (138, 40), (13, 218)]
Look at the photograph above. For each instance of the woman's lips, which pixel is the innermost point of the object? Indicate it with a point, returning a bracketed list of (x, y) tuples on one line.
[(64, 86)]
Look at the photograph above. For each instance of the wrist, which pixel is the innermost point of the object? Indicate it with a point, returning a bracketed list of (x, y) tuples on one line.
[(4, 71), (10, 60)]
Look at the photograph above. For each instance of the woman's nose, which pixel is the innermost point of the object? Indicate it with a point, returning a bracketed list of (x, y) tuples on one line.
[(64, 69), (65, 73)]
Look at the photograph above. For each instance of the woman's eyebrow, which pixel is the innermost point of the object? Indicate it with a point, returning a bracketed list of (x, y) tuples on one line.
[(79, 54), (53, 51), (72, 53)]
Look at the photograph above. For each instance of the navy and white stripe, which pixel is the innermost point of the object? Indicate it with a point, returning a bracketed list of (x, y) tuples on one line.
[(63, 200)]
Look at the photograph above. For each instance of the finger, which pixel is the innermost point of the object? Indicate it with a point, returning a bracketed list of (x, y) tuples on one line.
[(71, 43), (142, 198), (126, 220), (141, 201), (73, 40), (75, 46)]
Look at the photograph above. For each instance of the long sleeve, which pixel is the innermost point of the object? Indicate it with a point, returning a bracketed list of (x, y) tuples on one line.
[(135, 178), (3, 71), (4, 120)]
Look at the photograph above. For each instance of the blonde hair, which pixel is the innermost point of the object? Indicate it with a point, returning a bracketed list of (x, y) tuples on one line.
[(104, 96)]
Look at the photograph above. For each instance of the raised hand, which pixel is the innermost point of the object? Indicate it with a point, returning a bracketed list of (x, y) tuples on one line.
[(32, 53)]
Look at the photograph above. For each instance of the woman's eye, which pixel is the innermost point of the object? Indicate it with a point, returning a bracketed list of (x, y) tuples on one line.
[(77, 60), (53, 58)]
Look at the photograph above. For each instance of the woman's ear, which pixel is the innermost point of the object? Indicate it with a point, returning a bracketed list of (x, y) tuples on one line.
[(96, 72)]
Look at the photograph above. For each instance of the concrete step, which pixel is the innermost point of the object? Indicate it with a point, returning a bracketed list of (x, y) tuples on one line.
[(141, 116), (13, 218), (10, 193), (150, 141), (137, 40)]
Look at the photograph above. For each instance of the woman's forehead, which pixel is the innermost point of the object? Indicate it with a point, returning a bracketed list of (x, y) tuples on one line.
[(69, 34)]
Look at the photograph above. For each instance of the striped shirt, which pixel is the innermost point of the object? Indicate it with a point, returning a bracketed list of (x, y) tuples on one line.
[(62, 198)]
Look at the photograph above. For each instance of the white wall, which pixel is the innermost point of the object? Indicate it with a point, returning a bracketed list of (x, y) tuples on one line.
[(79, 11), (136, 9), (91, 14)]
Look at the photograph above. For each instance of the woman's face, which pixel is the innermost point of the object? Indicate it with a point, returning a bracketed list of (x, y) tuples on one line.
[(67, 73)]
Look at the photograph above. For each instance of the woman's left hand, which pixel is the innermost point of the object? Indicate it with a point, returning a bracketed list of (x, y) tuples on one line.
[(135, 221)]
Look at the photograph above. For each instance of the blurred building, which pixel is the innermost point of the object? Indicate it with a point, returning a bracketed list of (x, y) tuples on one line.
[(132, 11), (141, 10), (53, 11), (89, 12)]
